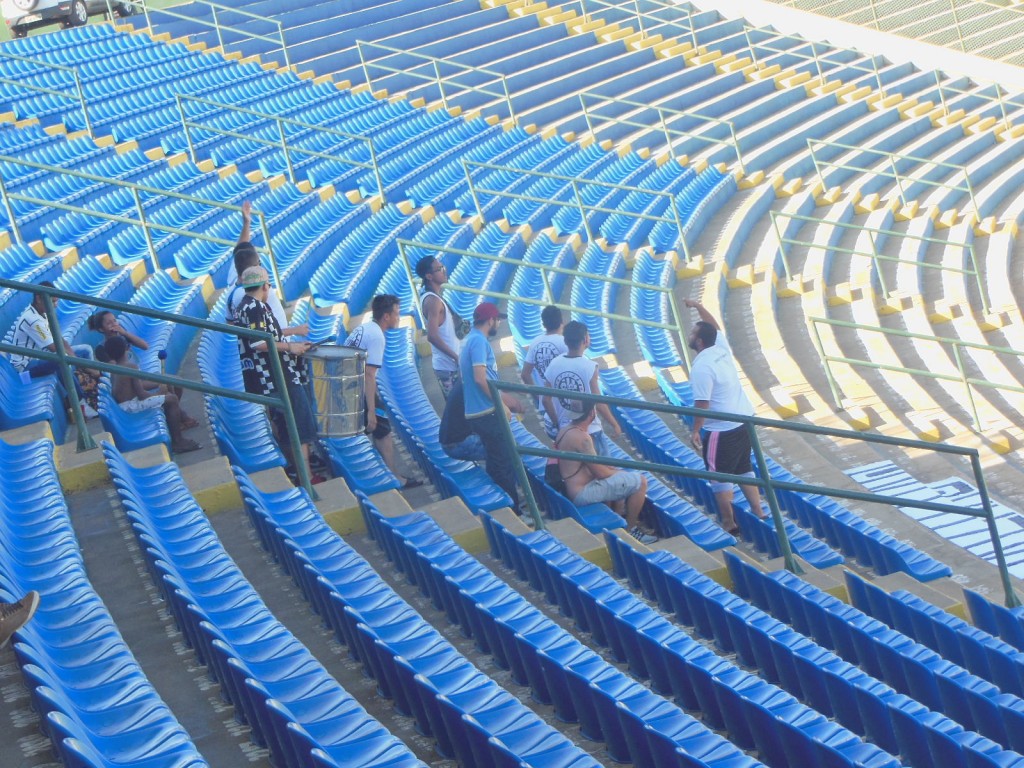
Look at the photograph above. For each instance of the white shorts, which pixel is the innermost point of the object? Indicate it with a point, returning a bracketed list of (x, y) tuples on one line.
[(138, 406), (619, 486)]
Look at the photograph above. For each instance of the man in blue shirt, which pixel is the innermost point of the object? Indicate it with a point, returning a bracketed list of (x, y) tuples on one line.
[(476, 366)]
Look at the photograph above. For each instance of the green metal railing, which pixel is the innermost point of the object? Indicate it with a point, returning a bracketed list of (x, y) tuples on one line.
[(77, 95), (954, 347), (647, 22), (440, 73), (663, 123), (893, 158), (578, 184), (85, 441), (764, 480), (675, 327), (1001, 98), (217, 11), (147, 224), (827, 51), (287, 147), (874, 254)]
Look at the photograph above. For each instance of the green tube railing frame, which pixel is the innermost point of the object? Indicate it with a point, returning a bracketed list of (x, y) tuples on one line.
[(577, 183), (957, 345), (765, 482), (664, 116), (85, 441), (828, 50), (873, 254), (675, 327), (1001, 98), (155, 266), (898, 176), (77, 95), (221, 28), (504, 95), (286, 147), (647, 21)]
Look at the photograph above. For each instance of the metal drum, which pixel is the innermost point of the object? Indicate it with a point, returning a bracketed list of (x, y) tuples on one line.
[(336, 378)]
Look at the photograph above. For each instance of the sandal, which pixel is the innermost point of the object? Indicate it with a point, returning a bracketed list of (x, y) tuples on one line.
[(189, 423), (185, 446), (411, 482)]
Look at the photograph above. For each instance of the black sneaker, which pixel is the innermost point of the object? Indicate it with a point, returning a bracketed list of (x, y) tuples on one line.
[(14, 616)]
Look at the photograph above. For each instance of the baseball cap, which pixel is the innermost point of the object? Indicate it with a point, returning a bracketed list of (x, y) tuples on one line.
[(253, 277), (485, 312)]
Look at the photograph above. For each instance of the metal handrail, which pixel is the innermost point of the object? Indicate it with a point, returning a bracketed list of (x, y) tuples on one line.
[(896, 174), (282, 142), (653, 25), (764, 480), (577, 182), (85, 441), (78, 94), (969, 382), (136, 189), (669, 133), (220, 28), (875, 256), (437, 79), (675, 327), (999, 97), (829, 50)]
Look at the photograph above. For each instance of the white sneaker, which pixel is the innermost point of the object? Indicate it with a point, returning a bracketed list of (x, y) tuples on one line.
[(644, 538), (89, 412)]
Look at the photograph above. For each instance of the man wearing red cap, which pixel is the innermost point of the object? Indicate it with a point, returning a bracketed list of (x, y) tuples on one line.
[(477, 365)]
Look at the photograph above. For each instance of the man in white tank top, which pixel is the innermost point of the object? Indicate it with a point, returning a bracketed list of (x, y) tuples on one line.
[(575, 372), (439, 323)]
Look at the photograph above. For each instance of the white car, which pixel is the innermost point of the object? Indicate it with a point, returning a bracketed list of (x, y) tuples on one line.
[(23, 15)]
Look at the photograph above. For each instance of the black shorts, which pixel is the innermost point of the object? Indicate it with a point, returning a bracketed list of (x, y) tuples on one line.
[(305, 421), (727, 452), (383, 426)]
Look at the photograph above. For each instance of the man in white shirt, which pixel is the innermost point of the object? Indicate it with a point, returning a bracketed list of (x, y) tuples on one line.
[(540, 353), (369, 337), (725, 445), (575, 372), (439, 323)]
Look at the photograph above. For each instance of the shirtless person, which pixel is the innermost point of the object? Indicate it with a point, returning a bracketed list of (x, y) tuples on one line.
[(589, 482), (133, 397)]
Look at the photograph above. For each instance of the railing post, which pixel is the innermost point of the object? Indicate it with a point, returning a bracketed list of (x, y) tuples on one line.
[(270, 253), (85, 107), (12, 221), (773, 504), (677, 317), (145, 12), (472, 189), (154, 260), (216, 25), (376, 169), (679, 226), (549, 295), (583, 211), (876, 263), (67, 376), (782, 245), (1010, 597), (284, 149), (668, 136), (302, 469), (508, 100), (958, 355), (440, 85), (284, 46), (827, 360), (517, 461), (363, 64), (187, 128)]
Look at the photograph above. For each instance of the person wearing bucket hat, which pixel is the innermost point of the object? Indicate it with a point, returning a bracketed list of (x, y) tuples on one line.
[(257, 375), (477, 365)]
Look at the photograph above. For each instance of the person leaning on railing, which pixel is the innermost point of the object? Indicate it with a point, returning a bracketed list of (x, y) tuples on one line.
[(257, 374)]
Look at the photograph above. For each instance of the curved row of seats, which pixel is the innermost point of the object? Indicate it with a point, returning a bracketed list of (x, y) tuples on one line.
[(633, 721), (94, 700), (468, 714), (278, 688)]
